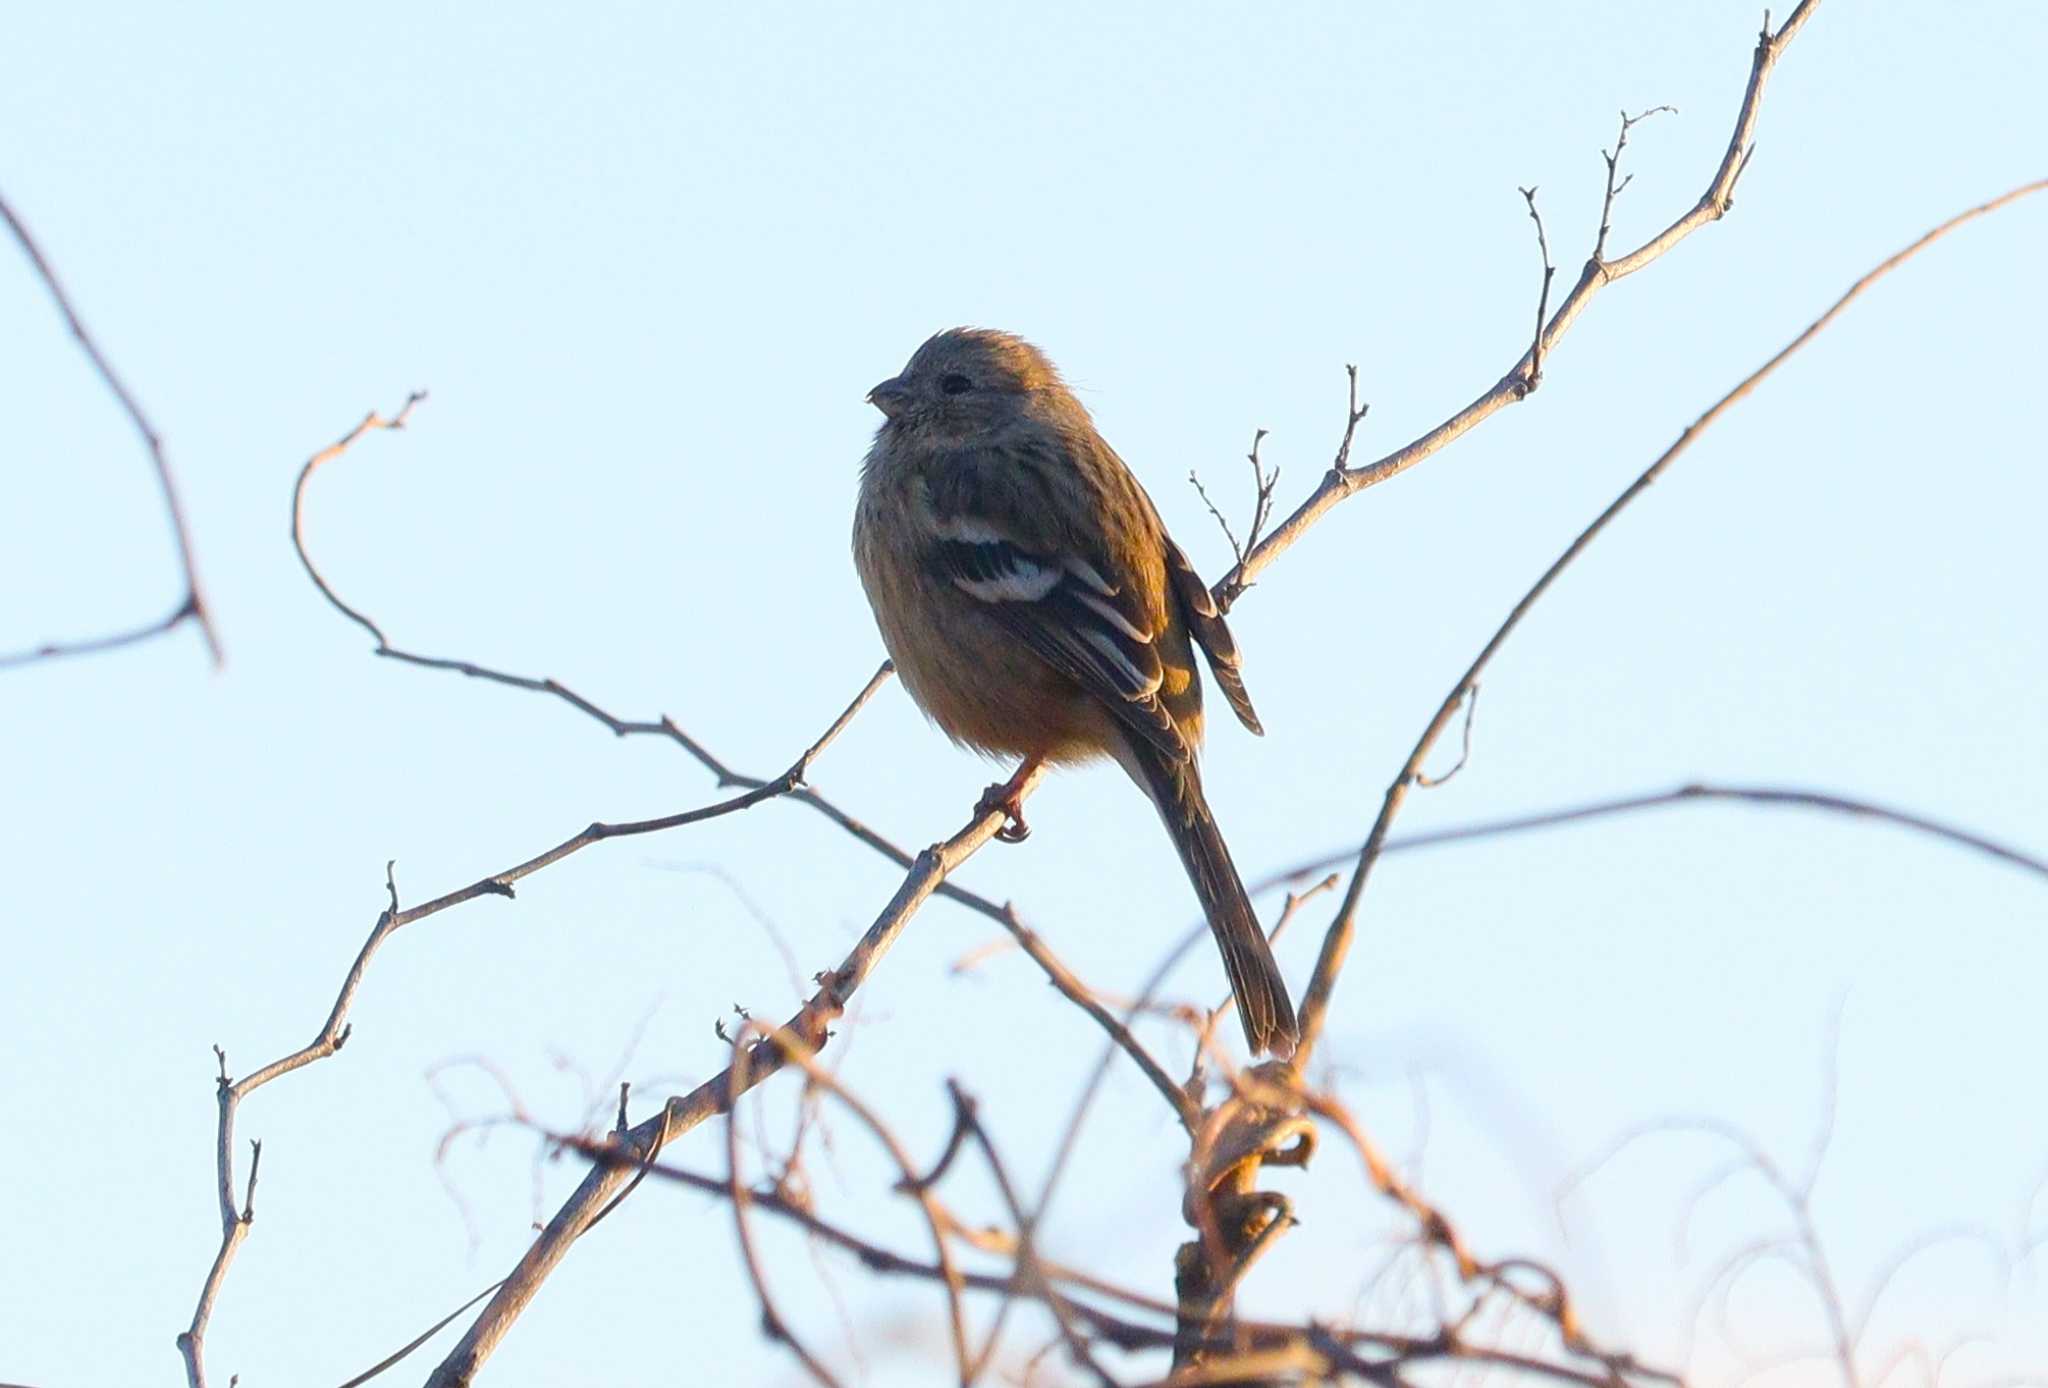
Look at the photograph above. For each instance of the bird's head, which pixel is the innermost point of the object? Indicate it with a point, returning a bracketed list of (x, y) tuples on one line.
[(964, 381)]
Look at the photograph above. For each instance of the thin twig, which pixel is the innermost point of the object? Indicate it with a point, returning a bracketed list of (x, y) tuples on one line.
[(1354, 415), (1222, 522), (1232, 586), (1428, 782), (1116, 1029), (773, 1323), (1534, 376), (1776, 796), (500, 883), (193, 603), (1031, 1276), (1613, 158), (1263, 485), (406, 1349), (1551, 1300), (936, 1220), (1803, 1251)]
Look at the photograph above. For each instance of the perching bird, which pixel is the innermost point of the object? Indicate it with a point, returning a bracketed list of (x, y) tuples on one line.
[(1035, 607)]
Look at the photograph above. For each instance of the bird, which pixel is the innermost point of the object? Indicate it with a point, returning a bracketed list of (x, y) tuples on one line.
[(1035, 607)]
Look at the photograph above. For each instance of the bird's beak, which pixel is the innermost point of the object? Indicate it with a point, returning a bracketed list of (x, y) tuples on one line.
[(891, 397)]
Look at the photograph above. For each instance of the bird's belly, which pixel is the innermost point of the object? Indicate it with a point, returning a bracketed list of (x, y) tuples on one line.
[(994, 695), (983, 687)]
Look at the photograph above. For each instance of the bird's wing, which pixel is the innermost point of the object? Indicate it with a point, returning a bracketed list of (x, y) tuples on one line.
[(1211, 633), (1089, 624)]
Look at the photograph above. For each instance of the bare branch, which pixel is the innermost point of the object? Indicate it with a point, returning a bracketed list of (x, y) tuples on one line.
[(1031, 1276), (370, 421), (1118, 1031), (1772, 796), (637, 1147), (1802, 1250), (1550, 1299), (1337, 943), (1147, 1322), (334, 1033), (1343, 481), (192, 604)]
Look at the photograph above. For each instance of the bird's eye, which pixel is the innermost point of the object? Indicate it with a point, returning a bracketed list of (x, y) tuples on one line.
[(955, 384)]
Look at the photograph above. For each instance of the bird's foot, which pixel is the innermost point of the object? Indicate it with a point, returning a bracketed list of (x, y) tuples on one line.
[(1004, 797), (1008, 796)]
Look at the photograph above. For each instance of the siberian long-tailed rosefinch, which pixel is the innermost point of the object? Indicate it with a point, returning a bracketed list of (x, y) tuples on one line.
[(1036, 607)]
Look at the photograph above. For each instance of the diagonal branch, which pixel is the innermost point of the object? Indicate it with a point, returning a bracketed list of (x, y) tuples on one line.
[(192, 605)]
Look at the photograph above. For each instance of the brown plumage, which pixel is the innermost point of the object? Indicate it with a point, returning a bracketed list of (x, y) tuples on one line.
[(1036, 607)]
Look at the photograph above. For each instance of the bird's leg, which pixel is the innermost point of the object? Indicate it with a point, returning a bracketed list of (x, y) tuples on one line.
[(1008, 796)]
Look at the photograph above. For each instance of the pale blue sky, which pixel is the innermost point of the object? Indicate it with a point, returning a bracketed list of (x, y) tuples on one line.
[(648, 259)]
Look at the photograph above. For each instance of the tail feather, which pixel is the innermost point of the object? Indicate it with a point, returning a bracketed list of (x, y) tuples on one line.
[(1212, 634), (1262, 1003)]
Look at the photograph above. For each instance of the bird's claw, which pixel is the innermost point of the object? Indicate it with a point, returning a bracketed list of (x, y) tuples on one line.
[(1004, 797)]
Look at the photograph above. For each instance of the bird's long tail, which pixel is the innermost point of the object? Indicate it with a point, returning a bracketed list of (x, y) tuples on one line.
[(1176, 788)]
